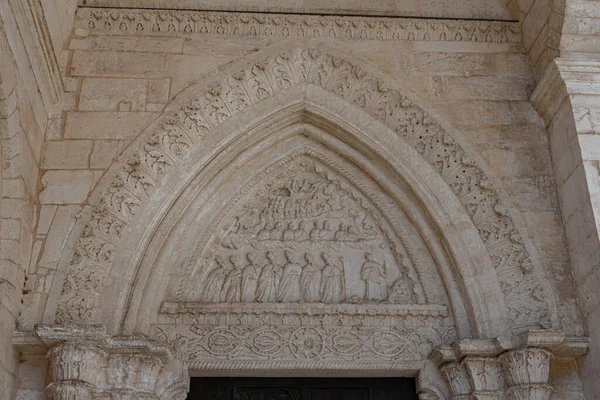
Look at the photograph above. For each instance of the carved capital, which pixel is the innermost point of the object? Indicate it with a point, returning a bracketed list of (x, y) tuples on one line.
[(87, 363), (457, 377), (486, 377), (527, 372), (74, 369), (70, 390)]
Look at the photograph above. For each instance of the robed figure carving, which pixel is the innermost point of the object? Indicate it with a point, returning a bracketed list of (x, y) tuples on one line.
[(214, 282), (374, 275), (268, 283), (232, 288), (289, 288), (333, 288), (310, 281), (250, 277)]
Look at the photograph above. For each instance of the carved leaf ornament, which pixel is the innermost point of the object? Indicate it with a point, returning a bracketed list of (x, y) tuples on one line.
[(93, 253)]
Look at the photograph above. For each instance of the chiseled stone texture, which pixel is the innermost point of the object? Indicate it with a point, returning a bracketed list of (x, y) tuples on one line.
[(120, 74)]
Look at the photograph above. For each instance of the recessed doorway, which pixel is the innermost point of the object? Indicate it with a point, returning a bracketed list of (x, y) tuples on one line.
[(245, 388)]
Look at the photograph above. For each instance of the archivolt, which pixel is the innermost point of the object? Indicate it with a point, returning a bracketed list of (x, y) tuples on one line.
[(190, 124)]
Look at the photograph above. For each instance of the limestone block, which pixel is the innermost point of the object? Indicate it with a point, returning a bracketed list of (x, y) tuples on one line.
[(535, 20), (45, 220), (11, 228), (104, 153), (128, 44), (158, 90), (67, 154), (58, 234), (186, 69), (573, 192), (54, 129), (117, 64), (453, 64), (481, 88), (105, 94), (66, 187), (106, 124)]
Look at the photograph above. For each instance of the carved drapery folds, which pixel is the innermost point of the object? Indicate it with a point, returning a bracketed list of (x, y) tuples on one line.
[(87, 363), (516, 368)]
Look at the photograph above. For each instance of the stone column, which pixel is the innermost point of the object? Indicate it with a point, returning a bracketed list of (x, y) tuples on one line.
[(75, 368)]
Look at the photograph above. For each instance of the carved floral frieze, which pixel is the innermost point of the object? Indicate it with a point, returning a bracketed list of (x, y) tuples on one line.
[(186, 127), (302, 336), (174, 22)]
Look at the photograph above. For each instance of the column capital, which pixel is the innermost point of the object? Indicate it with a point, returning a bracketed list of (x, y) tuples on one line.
[(87, 362), (508, 367)]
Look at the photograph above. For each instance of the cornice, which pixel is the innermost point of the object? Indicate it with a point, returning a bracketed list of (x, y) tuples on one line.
[(179, 22)]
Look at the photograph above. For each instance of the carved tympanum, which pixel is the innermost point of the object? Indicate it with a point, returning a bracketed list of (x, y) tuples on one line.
[(188, 125), (305, 237)]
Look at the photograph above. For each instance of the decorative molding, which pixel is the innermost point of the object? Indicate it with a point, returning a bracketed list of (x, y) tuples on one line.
[(87, 363), (515, 368), (310, 337), (176, 22), (524, 290)]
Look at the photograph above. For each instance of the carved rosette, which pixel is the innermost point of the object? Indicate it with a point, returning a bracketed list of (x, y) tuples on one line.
[(527, 372)]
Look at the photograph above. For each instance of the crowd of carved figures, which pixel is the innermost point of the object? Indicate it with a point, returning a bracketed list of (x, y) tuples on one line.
[(299, 279)]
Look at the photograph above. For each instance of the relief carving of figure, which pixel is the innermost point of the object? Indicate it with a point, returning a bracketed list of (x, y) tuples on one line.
[(374, 275), (232, 288), (214, 282), (301, 234), (310, 281), (250, 277), (289, 288), (268, 284), (333, 288)]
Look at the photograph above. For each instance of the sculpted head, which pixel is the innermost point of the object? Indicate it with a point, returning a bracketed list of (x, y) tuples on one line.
[(369, 256), (250, 258), (308, 258), (289, 255), (271, 256), (235, 261), (326, 258)]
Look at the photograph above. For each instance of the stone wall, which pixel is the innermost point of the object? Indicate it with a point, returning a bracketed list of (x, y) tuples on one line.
[(120, 75)]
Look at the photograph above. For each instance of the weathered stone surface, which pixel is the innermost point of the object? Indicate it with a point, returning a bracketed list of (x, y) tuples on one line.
[(369, 186), (106, 125)]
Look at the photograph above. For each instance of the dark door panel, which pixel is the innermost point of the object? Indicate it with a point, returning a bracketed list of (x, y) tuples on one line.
[(302, 389)]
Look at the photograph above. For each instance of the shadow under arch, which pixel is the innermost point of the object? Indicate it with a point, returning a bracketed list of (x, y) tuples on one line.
[(465, 267), (173, 137)]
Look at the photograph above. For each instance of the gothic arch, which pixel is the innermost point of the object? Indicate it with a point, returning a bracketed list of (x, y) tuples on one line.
[(191, 124)]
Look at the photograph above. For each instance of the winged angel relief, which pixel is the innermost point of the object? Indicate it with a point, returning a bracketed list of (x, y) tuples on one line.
[(305, 237)]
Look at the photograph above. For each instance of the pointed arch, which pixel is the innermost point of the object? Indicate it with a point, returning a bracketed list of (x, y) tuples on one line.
[(316, 78)]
